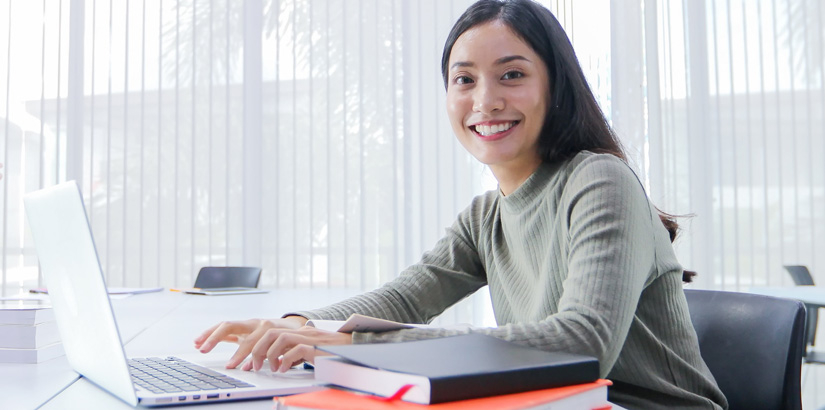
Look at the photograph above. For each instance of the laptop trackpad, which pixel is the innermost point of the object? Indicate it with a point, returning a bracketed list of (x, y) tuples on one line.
[(295, 376)]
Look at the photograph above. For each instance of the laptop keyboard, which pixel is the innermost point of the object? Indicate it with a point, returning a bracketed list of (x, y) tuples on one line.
[(171, 375)]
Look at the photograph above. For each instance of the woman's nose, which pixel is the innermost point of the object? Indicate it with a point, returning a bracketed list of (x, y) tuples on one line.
[(487, 99)]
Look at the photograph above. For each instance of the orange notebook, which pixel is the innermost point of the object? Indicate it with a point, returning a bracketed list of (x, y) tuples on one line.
[(591, 396)]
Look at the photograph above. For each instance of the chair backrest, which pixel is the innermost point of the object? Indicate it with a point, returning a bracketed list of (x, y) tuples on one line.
[(800, 274), (802, 277), (753, 346), (228, 277)]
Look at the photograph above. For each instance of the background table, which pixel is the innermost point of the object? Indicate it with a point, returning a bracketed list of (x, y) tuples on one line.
[(810, 295)]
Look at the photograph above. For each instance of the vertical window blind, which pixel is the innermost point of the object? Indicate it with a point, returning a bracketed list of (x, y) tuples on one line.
[(735, 91), (737, 131), (306, 137)]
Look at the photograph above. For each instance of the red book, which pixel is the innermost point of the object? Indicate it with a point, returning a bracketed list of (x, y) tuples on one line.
[(587, 396)]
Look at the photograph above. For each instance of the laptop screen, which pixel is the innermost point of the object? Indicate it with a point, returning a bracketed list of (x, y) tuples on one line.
[(70, 266)]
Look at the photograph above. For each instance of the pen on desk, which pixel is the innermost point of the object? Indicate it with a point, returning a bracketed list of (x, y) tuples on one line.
[(174, 290)]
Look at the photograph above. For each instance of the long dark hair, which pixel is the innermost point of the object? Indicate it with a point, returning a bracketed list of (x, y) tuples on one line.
[(574, 121)]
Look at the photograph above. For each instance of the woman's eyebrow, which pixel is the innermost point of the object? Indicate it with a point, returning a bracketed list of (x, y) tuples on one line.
[(462, 64), (507, 59), (500, 61)]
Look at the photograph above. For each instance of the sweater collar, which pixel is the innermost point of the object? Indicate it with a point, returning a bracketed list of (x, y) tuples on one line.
[(531, 190)]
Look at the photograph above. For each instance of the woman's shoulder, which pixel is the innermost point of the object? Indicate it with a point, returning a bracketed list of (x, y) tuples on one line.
[(603, 179), (588, 166), (481, 205), (477, 216), (594, 159)]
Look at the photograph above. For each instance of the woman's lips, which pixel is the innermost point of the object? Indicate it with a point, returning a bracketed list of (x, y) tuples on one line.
[(493, 131)]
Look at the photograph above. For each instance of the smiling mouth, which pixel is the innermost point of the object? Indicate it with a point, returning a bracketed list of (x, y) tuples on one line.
[(488, 130)]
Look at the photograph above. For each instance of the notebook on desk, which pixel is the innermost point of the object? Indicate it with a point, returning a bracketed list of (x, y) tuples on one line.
[(68, 259)]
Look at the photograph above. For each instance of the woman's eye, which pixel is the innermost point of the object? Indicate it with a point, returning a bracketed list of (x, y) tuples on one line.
[(463, 79), (512, 75)]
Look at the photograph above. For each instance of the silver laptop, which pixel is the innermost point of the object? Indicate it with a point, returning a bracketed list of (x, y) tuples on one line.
[(72, 271)]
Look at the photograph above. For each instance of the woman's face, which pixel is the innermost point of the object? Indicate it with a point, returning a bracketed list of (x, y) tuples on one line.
[(497, 96)]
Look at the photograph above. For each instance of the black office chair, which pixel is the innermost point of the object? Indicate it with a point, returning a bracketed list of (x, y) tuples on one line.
[(802, 277), (228, 277), (753, 346)]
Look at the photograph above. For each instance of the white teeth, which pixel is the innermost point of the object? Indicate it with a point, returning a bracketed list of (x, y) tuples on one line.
[(487, 130)]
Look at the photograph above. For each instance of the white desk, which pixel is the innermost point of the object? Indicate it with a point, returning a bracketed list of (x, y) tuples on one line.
[(810, 295), (163, 323)]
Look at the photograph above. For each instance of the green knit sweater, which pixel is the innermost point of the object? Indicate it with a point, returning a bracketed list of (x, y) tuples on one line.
[(577, 261)]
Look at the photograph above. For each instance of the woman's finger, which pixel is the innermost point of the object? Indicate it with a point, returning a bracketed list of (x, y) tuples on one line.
[(299, 353), (247, 345), (247, 366), (262, 345), (278, 341), (217, 335), (203, 336), (285, 343), (226, 332), (275, 343)]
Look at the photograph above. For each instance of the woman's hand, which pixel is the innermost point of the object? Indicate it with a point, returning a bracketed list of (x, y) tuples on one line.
[(285, 342), (285, 348)]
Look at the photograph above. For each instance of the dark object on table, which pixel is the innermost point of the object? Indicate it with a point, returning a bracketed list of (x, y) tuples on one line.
[(210, 277)]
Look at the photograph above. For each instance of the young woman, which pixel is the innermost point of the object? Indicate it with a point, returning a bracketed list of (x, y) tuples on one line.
[(576, 257)]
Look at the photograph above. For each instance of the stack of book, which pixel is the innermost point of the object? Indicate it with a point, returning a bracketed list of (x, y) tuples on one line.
[(461, 372), (28, 332)]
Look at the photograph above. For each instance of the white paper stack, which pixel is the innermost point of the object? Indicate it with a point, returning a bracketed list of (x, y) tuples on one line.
[(28, 332)]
